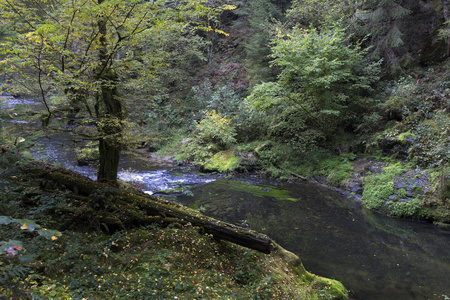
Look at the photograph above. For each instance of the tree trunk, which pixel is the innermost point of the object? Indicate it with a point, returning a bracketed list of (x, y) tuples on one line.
[(110, 128), (118, 209), (110, 124), (109, 150)]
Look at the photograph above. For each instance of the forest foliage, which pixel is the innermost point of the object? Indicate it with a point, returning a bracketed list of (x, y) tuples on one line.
[(303, 88), (270, 81)]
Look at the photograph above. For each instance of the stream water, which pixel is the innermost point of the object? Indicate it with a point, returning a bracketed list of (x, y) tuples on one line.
[(376, 257)]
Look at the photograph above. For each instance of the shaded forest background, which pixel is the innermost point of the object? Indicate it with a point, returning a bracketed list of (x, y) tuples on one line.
[(289, 88)]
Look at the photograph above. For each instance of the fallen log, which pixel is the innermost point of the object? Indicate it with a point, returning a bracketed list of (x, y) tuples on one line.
[(134, 208)]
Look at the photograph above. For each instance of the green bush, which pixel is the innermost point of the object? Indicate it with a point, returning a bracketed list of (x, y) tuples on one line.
[(433, 141), (402, 96), (215, 129), (214, 133)]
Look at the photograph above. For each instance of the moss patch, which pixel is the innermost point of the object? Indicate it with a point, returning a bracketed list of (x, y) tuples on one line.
[(293, 274), (404, 209), (260, 190), (222, 161), (378, 187)]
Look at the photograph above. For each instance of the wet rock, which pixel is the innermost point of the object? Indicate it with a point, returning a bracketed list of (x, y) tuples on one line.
[(395, 147), (354, 186), (413, 184), (82, 163)]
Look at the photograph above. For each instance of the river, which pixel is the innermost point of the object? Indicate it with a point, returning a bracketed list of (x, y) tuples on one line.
[(375, 256)]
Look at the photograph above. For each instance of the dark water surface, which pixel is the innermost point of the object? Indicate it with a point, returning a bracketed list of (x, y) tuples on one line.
[(375, 256)]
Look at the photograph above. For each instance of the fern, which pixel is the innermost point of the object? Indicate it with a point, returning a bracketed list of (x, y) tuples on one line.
[(398, 12), (394, 38), (376, 16)]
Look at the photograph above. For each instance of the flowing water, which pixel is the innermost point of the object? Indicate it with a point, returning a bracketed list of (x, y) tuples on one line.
[(376, 257), (152, 174)]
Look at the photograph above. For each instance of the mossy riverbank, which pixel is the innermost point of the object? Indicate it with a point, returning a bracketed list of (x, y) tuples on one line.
[(392, 186), (159, 260), (395, 188)]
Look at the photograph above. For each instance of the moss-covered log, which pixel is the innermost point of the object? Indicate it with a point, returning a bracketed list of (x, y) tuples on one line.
[(125, 208)]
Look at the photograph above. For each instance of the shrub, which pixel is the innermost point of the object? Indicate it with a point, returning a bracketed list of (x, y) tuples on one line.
[(215, 129), (433, 141), (214, 133), (402, 96)]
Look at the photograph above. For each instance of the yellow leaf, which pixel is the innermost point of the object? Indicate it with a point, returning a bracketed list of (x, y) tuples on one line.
[(25, 227), (54, 238), (229, 7)]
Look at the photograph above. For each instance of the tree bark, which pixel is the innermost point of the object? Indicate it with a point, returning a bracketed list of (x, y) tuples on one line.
[(110, 123), (122, 209)]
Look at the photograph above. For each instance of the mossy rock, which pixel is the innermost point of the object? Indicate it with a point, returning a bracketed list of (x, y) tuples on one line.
[(444, 226), (222, 161), (333, 288), (379, 187)]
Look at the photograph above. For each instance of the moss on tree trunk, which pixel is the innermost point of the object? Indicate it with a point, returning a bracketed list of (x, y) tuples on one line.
[(110, 123)]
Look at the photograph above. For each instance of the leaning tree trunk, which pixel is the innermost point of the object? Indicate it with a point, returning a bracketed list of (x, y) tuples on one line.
[(118, 209), (110, 117)]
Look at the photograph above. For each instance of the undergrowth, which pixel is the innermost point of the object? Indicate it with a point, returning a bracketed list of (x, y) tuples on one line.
[(145, 262)]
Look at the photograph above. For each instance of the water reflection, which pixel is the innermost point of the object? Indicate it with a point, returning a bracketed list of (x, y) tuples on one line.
[(375, 256)]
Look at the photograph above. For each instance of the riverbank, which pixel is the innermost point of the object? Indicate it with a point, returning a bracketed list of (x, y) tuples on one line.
[(366, 261), (389, 185), (397, 189), (90, 258)]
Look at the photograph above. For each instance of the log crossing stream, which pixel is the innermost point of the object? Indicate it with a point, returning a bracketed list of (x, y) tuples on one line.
[(376, 257)]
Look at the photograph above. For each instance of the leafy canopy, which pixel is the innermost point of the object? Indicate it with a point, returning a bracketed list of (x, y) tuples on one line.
[(83, 50), (323, 76), (322, 66)]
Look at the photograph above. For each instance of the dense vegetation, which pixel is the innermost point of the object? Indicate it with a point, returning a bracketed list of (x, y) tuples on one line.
[(353, 94)]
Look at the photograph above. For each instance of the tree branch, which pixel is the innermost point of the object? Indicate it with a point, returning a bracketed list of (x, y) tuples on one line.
[(42, 88)]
